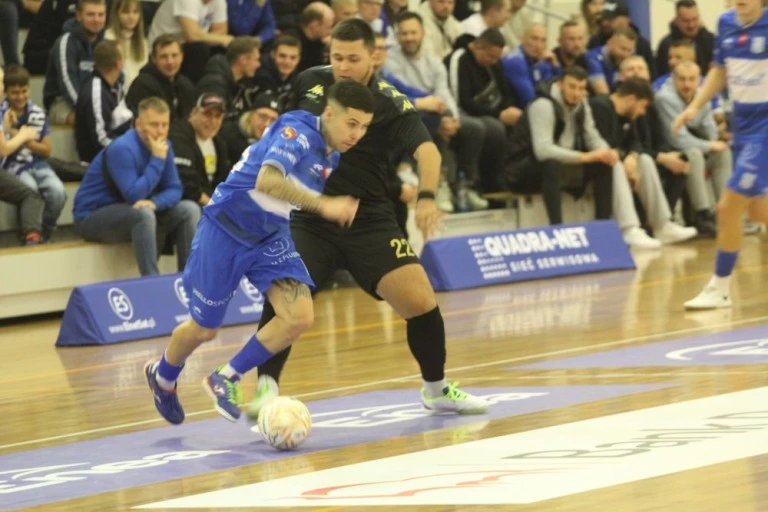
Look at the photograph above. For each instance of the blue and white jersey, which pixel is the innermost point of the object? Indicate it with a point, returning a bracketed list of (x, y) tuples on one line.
[(744, 53), (295, 145), (600, 66), (23, 158)]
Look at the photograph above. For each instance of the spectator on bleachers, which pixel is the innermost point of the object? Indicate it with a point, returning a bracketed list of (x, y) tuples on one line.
[(672, 165), (126, 26), (426, 72), (251, 125), (131, 193), (529, 64), (699, 141), (520, 19), (101, 113), (556, 146), (441, 27), (201, 24), (687, 25), (29, 162), (230, 75), (200, 154), (615, 16), (45, 29), (161, 78), (72, 61), (389, 13), (573, 45), (9, 32), (279, 69), (493, 14), (478, 84), (287, 13), (344, 10), (313, 32), (614, 116), (370, 12), (28, 202), (603, 62), (252, 18), (591, 12)]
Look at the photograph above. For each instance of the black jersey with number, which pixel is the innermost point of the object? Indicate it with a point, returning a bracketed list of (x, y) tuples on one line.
[(396, 127)]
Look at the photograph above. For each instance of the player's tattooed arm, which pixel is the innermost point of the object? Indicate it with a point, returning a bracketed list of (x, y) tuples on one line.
[(293, 290), (272, 181)]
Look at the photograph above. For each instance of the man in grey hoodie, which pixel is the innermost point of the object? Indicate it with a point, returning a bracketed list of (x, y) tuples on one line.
[(698, 139), (563, 147)]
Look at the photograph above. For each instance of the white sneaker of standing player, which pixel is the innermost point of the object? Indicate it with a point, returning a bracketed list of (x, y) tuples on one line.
[(454, 400), (711, 297)]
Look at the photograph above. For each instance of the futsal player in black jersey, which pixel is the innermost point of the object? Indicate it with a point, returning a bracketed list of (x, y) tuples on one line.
[(374, 249)]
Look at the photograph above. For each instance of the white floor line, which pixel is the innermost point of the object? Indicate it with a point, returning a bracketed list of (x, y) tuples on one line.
[(519, 359)]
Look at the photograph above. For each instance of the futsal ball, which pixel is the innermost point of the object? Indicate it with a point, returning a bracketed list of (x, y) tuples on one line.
[(285, 423)]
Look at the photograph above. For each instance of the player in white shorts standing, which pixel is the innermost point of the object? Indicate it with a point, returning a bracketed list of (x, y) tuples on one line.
[(741, 62)]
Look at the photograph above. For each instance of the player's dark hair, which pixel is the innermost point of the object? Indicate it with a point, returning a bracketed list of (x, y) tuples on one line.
[(637, 87), (355, 30), (351, 94)]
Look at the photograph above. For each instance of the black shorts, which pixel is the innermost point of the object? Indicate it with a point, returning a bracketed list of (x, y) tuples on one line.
[(374, 246)]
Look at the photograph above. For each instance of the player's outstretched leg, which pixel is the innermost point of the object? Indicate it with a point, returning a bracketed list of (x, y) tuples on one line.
[(294, 314), (408, 291), (730, 216), (162, 375)]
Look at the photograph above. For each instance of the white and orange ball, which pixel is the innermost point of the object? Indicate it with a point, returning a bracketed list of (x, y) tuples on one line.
[(285, 423)]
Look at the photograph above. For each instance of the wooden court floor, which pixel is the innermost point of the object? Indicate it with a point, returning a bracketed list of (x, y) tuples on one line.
[(55, 398)]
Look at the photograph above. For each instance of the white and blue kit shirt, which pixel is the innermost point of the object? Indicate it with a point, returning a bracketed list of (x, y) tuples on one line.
[(23, 158), (295, 145), (600, 67)]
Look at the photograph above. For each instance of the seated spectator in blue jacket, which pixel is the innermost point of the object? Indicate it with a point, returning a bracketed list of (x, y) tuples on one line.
[(101, 113), (603, 62), (529, 64), (131, 192), (251, 18), (71, 61), (28, 162)]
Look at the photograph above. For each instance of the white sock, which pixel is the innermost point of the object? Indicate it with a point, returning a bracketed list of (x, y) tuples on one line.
[(435, 389), (229, 372), (722, 284), (168, 385)]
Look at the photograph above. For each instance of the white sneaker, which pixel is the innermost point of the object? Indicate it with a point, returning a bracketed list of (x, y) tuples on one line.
[(266, 391), (709, 298), (671, 233), (444, 197), (476, 201), (639, 239), (454, 400)]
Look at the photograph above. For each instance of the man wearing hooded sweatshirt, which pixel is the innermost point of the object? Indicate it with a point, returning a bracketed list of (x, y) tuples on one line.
[(71, 61), (161, 78), (230, 75), (277, 74), (687, 26)]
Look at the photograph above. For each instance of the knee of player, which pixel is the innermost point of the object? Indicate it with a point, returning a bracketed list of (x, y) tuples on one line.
[(421, 304), (203, 334), (302, 318)]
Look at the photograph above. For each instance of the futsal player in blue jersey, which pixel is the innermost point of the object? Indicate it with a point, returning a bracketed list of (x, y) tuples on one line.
[(741, 61), (244, 231)]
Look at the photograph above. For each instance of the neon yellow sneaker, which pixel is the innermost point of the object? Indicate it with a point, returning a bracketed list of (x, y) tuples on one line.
[(226, 394), (454, 400), (266, 390)]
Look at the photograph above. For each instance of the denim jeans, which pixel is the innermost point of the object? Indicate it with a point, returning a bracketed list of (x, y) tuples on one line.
[(29, 203), (42, 179), (121, 222)]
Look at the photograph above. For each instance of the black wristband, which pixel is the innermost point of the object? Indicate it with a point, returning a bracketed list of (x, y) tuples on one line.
[(424, 194)]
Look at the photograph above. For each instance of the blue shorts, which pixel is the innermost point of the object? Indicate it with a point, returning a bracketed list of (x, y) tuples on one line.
[(750, 167), (218, 262)]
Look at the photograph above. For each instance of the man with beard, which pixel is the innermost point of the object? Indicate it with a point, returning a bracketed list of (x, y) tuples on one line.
[(72, 61), (441, 28), (529, 64), (573, 45), (687, 26), (603, 62), (374, 249)]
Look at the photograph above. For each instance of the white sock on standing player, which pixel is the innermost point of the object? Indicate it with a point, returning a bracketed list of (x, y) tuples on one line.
[(435, 389)]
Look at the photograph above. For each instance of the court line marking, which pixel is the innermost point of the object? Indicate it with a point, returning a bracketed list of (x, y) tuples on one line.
[(363, 385)]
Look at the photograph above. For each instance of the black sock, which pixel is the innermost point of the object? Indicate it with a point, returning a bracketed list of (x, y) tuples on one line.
[(426, 339)]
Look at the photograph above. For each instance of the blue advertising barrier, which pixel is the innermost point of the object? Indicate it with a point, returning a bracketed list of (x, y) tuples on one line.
[(525, 254), (132, 309)]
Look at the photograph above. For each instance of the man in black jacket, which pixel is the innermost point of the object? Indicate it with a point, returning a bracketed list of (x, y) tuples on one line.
[(101, 113), (615, 15), (161, 78), (478, 84), (687, 25), (279, 69), (200, 154), (230, 75), (614, 117), (248, 129), (45, 28)]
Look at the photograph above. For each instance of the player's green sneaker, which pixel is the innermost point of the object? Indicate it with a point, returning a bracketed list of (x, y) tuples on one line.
[(266, 390), (226, 394), (454, 400)]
